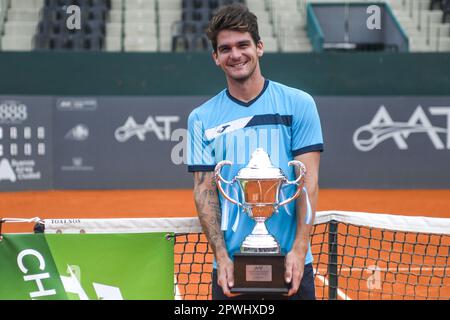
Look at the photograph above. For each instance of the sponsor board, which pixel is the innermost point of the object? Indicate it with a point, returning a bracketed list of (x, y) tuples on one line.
[(385, 142), (131, 143), (140, 142), (86, 266), (25, 140)]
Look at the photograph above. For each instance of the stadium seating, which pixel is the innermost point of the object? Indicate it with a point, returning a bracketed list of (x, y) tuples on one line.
[(188, 34), (169, 12), (114, 27), (54, 32), (443, 5), (179, 25), (446, 9), (140, 25), (424, 23), (19, 19)]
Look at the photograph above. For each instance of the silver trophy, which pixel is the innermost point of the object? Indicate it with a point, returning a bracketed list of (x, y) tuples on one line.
[(260, 184)]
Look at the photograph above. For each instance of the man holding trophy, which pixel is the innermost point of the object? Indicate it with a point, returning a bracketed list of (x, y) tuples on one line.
[(254, 150)]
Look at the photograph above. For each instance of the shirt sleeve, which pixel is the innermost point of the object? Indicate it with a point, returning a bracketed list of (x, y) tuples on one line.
[(200, 152), (306, 128)]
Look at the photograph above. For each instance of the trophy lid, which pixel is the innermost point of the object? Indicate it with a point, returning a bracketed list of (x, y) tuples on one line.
[(260, 167)]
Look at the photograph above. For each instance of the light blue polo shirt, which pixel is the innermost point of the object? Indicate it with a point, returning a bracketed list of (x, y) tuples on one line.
[(283, 121)]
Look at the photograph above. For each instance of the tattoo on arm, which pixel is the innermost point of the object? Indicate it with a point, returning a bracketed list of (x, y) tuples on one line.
[(208, 209)]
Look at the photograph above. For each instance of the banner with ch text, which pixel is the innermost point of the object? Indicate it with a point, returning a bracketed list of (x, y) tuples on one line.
[(137, 266)]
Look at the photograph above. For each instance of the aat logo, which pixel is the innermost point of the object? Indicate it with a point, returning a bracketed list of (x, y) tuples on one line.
[(383, 127), (6, 171), (159, 125)]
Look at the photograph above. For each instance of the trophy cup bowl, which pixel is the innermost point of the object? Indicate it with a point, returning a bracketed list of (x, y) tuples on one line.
[(260, 184)]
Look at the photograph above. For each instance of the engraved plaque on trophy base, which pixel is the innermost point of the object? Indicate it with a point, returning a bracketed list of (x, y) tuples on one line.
[(259, 273)]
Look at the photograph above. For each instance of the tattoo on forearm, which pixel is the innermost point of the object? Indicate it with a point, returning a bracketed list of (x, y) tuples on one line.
[(201, 179), (208, 208)]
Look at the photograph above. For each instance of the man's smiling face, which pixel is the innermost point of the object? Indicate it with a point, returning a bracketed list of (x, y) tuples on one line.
[(237, 54)]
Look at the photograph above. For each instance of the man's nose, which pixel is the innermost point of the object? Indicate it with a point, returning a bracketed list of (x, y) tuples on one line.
[(235, 53)]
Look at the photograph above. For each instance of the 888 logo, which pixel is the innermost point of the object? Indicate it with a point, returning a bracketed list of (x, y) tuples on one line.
[(12, 112)]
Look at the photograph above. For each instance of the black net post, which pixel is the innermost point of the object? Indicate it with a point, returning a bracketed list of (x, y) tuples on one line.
[(332, 260)]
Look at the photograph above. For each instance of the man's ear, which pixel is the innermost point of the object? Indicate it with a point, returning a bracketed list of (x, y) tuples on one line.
[(260, 49), (215, 58)]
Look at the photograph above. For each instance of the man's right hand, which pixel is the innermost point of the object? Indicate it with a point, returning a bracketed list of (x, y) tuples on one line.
[(225, 275)]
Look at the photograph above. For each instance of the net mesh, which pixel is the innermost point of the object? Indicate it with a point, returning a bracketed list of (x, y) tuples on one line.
[(350, 262), (355, 262), (193, 267), (356, 255)]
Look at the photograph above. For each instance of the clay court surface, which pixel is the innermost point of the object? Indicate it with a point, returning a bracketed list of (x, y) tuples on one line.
[(179, 203)]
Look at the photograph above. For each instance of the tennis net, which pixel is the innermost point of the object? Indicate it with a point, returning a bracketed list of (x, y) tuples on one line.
[(356, 255)]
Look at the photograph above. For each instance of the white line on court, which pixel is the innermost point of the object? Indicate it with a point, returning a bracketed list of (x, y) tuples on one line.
[(324, 280), (177, 291)]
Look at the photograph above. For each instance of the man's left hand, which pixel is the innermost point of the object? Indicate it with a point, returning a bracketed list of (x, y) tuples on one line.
[(294, 268)]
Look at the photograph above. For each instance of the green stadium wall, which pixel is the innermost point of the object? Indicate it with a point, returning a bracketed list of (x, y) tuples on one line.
[(154, 74)]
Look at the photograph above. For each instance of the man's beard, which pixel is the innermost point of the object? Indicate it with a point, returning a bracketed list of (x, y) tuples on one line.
[(244, 78)]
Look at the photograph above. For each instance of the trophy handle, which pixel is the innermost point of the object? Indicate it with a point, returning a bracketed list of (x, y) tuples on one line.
[(218, 177), (299, 181)]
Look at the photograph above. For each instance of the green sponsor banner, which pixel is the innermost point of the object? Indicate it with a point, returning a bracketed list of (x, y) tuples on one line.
[(27, 269), (87, 266)]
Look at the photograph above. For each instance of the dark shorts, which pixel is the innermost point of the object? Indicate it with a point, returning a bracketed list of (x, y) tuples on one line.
[(306, 290)]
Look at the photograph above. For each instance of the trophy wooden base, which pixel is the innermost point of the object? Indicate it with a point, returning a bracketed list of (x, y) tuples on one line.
[(259, 273)]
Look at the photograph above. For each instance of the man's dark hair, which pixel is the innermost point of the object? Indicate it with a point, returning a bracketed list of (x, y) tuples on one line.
[(235, 17)]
